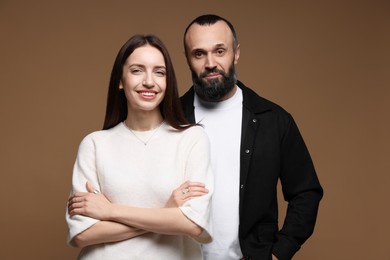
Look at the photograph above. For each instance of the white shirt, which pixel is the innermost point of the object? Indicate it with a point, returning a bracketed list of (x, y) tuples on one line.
[(222, 122), (131, 173)]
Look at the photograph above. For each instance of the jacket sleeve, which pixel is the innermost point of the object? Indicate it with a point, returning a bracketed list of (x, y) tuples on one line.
[(301, 189)]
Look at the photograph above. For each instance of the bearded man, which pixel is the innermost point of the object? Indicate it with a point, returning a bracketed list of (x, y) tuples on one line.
[(254, 143)]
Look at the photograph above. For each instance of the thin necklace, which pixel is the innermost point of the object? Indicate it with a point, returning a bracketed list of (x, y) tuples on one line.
[(140, 139)]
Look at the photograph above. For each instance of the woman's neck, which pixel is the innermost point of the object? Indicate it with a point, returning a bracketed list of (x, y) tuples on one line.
[(143, 121)]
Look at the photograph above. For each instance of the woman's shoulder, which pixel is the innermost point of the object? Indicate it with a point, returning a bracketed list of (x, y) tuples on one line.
[(195, 130), (195, 133), (100, 135)]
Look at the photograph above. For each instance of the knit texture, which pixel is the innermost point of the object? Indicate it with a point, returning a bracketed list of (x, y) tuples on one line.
[(131, 173)]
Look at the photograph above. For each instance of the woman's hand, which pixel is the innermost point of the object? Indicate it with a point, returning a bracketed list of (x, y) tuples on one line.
[(188, 190), (91, 204)]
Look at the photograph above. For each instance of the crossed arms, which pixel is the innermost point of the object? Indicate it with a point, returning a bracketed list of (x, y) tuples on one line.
[(119, 222)]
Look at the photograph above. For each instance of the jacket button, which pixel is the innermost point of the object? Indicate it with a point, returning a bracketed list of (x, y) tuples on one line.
[(247, 151), (254, 120), (242, 186)]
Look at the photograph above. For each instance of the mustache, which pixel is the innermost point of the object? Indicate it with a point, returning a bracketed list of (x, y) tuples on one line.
[(215, 70)]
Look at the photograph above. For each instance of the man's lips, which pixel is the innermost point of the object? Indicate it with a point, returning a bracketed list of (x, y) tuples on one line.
[(212, 75)]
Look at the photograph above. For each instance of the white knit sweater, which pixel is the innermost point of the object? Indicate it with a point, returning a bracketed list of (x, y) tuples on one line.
[(131, 173)]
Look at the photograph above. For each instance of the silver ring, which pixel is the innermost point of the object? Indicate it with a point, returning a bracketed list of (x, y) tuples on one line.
[(186, 190), (96, 191)]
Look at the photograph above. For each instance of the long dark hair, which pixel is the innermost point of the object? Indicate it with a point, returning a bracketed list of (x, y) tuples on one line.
[(170, 107)]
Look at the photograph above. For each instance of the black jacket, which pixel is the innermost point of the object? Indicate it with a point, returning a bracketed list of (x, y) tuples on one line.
[(271, 148)]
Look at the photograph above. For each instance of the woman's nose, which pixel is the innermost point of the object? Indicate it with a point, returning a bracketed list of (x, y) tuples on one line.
[(148, 81)]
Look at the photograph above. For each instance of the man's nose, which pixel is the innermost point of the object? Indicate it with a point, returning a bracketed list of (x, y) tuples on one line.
[(210, 62)]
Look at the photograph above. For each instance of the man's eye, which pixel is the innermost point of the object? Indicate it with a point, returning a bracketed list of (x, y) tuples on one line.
[(198, 54), (220, 52)]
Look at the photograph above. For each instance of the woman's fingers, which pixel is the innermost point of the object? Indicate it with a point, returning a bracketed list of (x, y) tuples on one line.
[(79, 197), (186, 191), (192, 189), (78, 201), (90, 188), (189, 184)]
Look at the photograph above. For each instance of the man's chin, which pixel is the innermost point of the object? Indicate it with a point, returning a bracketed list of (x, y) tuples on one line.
[(211, 82)]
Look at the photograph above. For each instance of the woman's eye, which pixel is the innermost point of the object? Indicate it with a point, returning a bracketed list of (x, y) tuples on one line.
[(160, 73), (135, 71)]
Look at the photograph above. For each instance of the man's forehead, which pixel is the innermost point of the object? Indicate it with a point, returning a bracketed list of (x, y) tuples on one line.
[(207, 36)]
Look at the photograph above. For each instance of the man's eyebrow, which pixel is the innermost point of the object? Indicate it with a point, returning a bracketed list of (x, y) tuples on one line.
[(197, 49), (219, 45), (216, 46)]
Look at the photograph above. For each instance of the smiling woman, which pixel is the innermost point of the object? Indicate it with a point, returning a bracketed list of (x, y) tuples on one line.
[(144, 84), (142, 186)]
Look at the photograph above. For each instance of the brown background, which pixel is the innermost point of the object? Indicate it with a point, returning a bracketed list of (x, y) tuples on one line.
[(327, 62)]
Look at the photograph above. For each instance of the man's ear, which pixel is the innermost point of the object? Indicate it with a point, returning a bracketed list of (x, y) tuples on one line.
[(187, 59), (237, 54)]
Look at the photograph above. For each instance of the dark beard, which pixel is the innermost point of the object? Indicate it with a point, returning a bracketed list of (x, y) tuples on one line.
[(214, 90)]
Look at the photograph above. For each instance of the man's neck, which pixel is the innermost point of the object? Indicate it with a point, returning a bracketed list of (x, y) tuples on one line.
[(229, 94)]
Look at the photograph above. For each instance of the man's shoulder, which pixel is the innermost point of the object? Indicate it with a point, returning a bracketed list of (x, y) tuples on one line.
[(258, 103), (188, 96)]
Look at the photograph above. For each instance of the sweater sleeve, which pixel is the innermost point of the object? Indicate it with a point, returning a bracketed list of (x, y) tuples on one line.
[(198, 169), (84, 170)]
